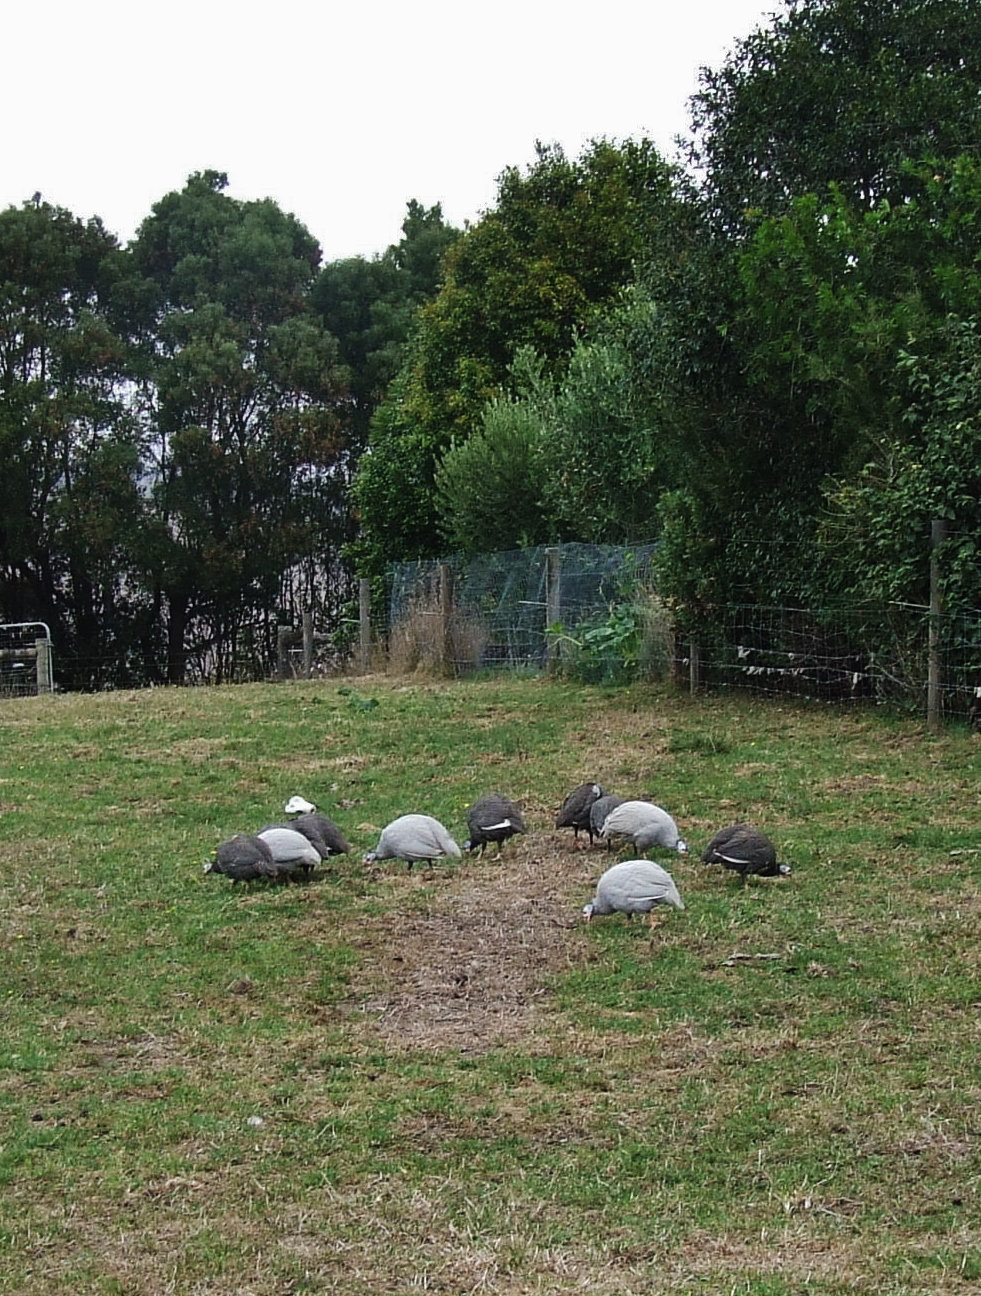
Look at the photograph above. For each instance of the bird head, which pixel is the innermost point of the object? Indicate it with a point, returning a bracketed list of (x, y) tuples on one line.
[(681, 846), (210, 864), (369, 857), (299, 805), (587, 911), (784, 870)]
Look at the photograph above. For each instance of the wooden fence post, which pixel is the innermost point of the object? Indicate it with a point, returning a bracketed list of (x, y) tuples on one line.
[(938, 534), (694, 667), (446, 663), (45, 682), (553, 605), (308, 645), (364, 618), (286, 636)]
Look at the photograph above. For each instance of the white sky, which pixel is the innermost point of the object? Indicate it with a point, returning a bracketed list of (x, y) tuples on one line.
[(340, 111)]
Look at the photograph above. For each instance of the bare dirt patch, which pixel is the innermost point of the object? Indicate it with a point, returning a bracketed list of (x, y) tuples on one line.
[(471, 972)]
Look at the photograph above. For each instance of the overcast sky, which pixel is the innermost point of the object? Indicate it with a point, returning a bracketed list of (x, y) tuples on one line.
[(341, 112)]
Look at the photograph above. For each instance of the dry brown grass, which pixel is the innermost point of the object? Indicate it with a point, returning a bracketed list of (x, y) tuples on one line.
[(421, 644), (471, 970)]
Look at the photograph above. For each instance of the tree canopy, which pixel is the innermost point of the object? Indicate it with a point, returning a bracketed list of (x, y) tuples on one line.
[(840, 92), (534, 272)]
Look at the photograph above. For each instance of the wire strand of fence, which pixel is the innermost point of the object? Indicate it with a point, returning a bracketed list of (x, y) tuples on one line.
[(600, 619)]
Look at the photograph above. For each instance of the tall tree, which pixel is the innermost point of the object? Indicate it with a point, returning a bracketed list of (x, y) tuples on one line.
[(839, 91), (490, 487), (369, 306), (533, 272), (69, 500), (243, 395), (825, 250)]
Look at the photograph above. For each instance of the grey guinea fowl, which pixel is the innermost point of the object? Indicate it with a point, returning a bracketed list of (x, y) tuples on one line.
[(574, 810), (492, 818), (290, 849), (413, 837), (243, 858), (746, 851), (633, 886), (645, 824), (598, 812)]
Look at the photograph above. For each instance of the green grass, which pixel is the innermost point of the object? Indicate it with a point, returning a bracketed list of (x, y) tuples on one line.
[(439, 1079)]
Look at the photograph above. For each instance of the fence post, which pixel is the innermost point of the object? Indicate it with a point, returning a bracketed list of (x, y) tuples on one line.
[(694, 667), (308, 645), (45, 683), (445, 618), (553, 604), (286, 636), (364, 617), (938, 533)]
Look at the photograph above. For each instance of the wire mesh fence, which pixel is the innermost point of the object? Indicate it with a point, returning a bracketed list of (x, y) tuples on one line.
[(866, 654), (509, 608), (593, 612)]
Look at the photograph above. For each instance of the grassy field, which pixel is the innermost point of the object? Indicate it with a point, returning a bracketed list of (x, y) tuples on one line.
[(439, 1079)]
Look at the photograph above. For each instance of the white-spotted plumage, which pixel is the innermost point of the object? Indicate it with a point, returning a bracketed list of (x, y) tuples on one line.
[(492, 818), (574, 810), (243, 858), (645, 824), (746, 851), (290, 849), (413, 837), (633, 886)]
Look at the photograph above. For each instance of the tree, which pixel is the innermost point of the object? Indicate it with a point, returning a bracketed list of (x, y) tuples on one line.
[(838, 227), (69, 497), (369, 307), (243, 395), (490, 487), (878, 526), (605, 458), (836, 91), (533, 272)]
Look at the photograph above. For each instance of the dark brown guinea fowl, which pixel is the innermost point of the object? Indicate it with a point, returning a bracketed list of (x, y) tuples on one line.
[(574, 810), (492, 818), (746, 851)]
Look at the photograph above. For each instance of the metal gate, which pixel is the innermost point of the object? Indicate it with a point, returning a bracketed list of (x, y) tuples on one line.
[(25, 659)]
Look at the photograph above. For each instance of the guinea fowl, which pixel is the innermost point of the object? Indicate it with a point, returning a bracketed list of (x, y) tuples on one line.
[(645, 824), (633, 886), (413, 837), (574, 810), (243, 858), (746, 851), (325, 835), (290, 849), (492, 818), (598, 812)]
